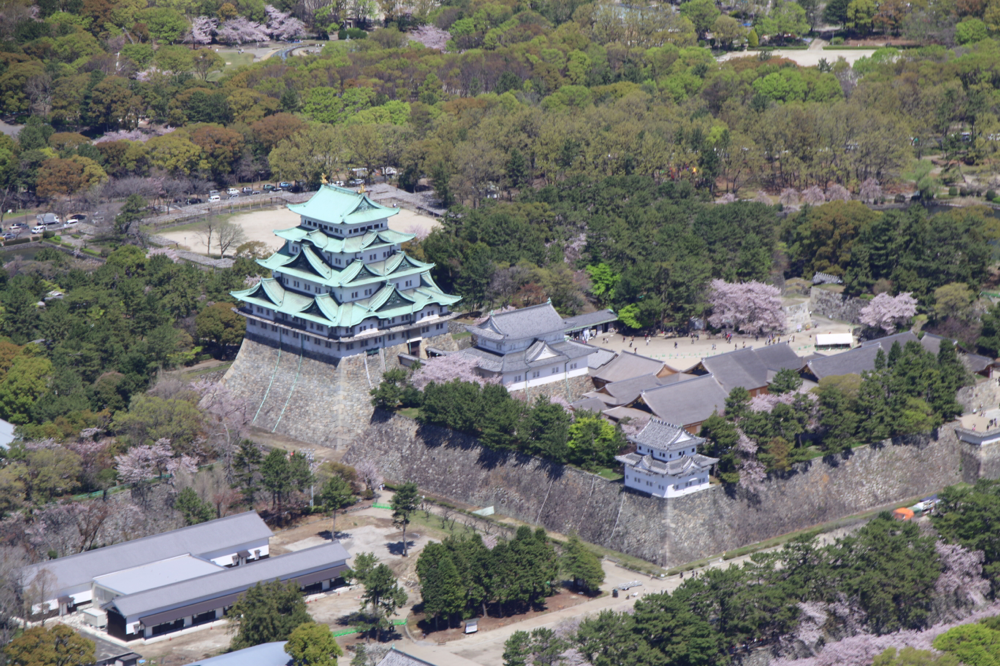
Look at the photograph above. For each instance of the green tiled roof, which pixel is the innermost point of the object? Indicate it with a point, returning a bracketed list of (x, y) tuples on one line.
[(307, 265), (386, 303), (371, 239), (336, 205)]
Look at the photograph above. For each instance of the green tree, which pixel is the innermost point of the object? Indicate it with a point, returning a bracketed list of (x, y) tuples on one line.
[(384, 596), (131, 213), (193, 508), (219, 325), (246, 468), (276, 476), (267, 612), (785, 380), (312, 644), (582, 564), (989, 340), (58, 646), (547, 430), (404, 502), (26, 381), (594, 442), (364, 564), (389, 392), (336, 495), (702, 13), (441, 585)]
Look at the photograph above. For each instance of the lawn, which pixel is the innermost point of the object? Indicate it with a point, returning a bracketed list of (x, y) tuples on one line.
[(233, 61), (437, 527), (610, 474)]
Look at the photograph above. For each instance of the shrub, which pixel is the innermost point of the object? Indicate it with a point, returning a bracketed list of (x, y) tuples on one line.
[(356, 33), (991, 194), (952, 191), (836, 41)]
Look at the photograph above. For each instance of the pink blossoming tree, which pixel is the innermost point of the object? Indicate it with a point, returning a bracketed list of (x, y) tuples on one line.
[(282, 26), (443, 369), (887, 312), (241, 30), (751, 307)]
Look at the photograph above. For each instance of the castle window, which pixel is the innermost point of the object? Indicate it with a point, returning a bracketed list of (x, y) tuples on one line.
[(328, 345), (274, 328), (253, 323), (295, 335)]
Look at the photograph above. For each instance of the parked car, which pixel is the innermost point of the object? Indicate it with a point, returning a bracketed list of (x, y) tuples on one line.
[(357, 181), (234, 196), (17, 226), (9, 236), (40, 229), (71, 222), (194, 200), (214, 198), (211, 192), (255, 192), (247, 190), (286, 186), (268, 187), (232, 190), (389, 171), (338, 183)]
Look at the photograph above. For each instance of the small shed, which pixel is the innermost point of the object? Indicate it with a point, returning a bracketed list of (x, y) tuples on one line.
[(903, 514)]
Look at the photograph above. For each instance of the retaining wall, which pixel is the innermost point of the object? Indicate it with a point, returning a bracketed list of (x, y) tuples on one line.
[(674, 531), (308, 397)]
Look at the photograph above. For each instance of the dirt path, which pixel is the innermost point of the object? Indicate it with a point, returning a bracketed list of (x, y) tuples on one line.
[(806, 58)]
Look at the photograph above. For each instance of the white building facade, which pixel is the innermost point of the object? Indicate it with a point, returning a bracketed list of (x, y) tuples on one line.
[(666, 462), (527, 348)]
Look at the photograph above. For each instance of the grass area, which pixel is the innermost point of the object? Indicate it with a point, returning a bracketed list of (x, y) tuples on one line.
[(610, 474), (204, 371), (459, 336), (233, 61), (410, 412), (628, 561), (437, 527)]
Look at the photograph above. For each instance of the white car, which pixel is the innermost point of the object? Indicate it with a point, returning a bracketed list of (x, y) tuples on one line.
[(389, 171), (232, 190), (214, 198), (40, 229), (71, 222)]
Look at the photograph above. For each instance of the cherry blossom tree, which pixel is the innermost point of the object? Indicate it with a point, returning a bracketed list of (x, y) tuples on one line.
[(241, 30), (727, 198), (430, 36), (752, 471), (813, 196), (369, 474), (443, 369), (789, 197), (203, 28), (281, 26), (962, 576), (837, 192), (231, 416), (871, 191), (752, 307), (888, 312)]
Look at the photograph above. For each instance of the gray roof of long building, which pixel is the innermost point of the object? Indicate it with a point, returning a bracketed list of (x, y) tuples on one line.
[(529, 322), (628, 365), (582, 321), (589, 404), (196, 539), (599, 358), (396, 658), (231, 580), (742, 367), (780, 356), (628, 390), (861, 358), (688, 402), (265, 654)]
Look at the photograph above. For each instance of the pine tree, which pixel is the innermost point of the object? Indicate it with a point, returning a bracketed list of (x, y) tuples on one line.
[(246, 466), (895, 351), (276, 476), (873, 405), (517, 169), (404, 503), (267, 612), (336, 495), (989, 339), (582, 564)]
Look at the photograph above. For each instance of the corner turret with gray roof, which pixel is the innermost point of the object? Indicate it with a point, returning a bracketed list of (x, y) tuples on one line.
[(666, 462)]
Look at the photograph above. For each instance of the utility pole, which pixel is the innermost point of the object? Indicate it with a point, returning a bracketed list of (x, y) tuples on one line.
[(312, 478)]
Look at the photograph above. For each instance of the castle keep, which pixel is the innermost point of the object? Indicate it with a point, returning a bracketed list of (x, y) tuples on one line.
[(341, 286), (344, 301)]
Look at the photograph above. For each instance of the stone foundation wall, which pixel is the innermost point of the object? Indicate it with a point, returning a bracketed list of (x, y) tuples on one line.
[(834, 305), (310, 397), (572, 389), (668, 532)]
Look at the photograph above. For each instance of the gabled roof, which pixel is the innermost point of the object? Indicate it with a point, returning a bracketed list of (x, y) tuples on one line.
[(396, 658), (229, 581), (687, 464), (213, 536), (688, 402), (336, 205), (538, 355), (531, 322), (742, 367), (582, 321), (862, 358), (663, 436), (372, 239), (780, 356), (265, 654), (628, 365), (600, 358)]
